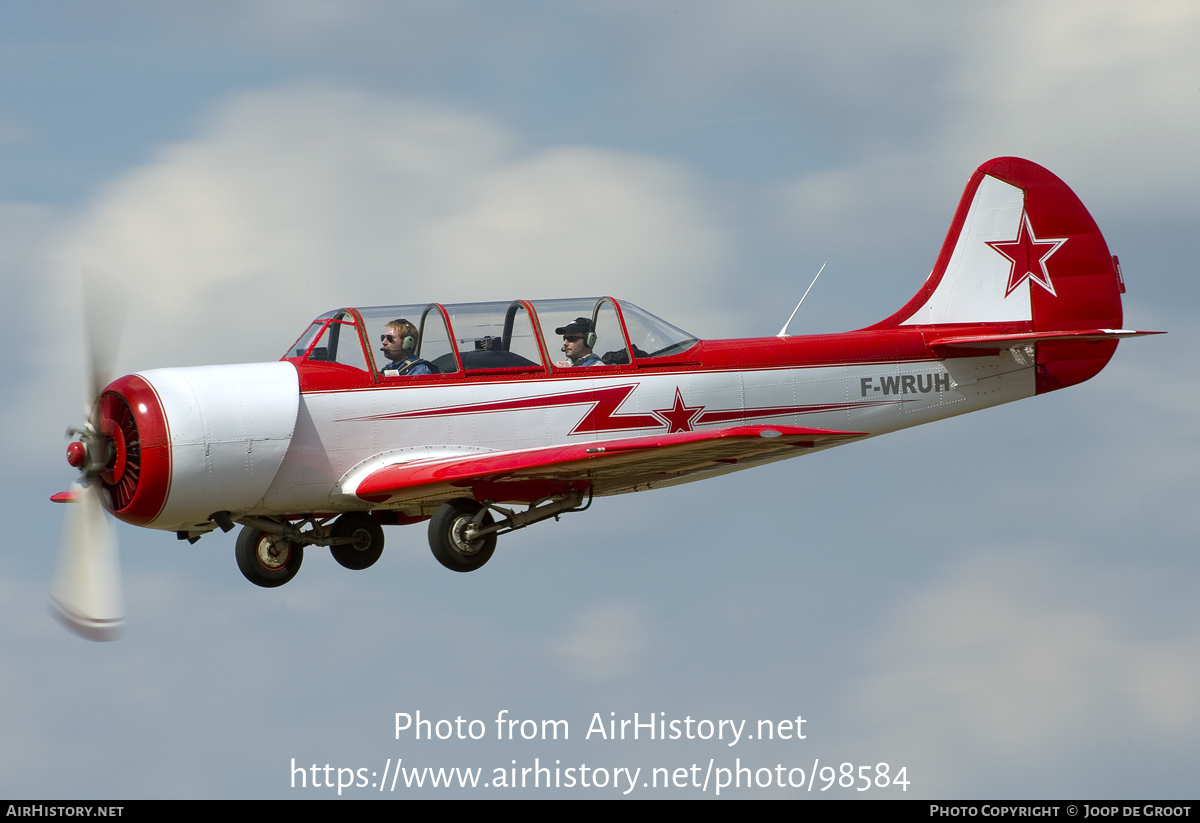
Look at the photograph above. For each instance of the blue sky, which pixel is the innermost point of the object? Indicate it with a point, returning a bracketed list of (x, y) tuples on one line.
[(1003, 604)]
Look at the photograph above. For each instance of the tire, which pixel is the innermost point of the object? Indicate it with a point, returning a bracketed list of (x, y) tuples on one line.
[(267, 560), (367, 535), (445, 536)]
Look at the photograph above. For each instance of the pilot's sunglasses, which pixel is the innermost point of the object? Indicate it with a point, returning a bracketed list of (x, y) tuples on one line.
[(572, 338), (387, 338)]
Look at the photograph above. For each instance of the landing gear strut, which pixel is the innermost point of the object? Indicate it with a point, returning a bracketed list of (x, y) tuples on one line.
[(269, 552), (454, 535), (462, 532)]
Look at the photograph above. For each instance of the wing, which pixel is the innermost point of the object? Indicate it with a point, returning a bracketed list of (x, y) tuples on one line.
[(608, 467)]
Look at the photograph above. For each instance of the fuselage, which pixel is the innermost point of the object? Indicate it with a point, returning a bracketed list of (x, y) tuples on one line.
[(296, 437)]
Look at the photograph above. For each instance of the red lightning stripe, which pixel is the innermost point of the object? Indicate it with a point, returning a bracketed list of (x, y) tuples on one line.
[(601, 417), (725, 415)]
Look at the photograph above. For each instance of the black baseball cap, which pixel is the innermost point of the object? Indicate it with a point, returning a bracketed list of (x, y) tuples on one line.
[(580, 325)]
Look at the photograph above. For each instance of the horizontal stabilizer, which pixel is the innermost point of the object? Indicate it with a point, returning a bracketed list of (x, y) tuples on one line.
[(991, 341), (608, 468)]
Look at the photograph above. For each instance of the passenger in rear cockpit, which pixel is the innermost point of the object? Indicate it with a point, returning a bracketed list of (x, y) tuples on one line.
[(399, 340), (578, 340)]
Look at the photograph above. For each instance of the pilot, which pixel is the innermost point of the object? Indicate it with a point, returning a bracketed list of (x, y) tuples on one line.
[(578, 339), (399, 340)]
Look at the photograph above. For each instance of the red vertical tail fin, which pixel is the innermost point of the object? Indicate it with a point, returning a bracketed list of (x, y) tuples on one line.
[(1024, 257)]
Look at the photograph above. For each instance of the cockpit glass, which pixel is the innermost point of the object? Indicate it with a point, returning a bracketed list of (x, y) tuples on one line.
[(489, 336), (429, 343), (495, 336), (345, 346), (653, 337), (299, 348), (579, 313), (610, 340), (332, 338), (650, 336), (434, 345)]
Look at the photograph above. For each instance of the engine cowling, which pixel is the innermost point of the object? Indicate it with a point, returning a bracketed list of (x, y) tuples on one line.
[(185, 443)]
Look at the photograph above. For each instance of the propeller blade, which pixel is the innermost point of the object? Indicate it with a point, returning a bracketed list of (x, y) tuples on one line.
[(86, 592), (104, 320)]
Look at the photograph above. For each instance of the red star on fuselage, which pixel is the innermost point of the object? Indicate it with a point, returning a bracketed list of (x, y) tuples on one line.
[(679, 418), (1023, 252)]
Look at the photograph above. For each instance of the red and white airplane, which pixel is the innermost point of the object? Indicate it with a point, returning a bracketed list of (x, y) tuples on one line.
[(326, 446)]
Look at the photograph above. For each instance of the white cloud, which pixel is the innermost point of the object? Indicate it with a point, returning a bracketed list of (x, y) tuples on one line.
[(1102, 94), (300, 200), (606, 642), (44, 325), (579, 220), (1109, 87), (876, 203)]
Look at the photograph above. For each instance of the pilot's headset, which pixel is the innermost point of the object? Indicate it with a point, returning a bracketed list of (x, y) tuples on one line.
[(409, 341)]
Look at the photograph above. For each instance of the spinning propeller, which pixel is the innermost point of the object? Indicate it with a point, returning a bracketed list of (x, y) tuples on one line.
[(86, 590)]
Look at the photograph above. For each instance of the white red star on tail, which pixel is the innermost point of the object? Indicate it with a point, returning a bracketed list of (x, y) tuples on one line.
[(1022, 253)]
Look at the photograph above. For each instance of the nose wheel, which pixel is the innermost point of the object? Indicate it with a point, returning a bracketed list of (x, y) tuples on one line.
[(267, 560)]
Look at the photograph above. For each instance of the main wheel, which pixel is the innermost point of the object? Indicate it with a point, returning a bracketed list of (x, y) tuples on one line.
[(367, 537), (267, 560), (447, 537)]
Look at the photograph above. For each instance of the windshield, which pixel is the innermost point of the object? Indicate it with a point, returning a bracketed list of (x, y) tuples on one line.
[(653, 337), (332, 338)]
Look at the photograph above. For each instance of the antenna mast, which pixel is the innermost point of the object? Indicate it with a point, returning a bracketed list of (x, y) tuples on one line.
[(783, 331)]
